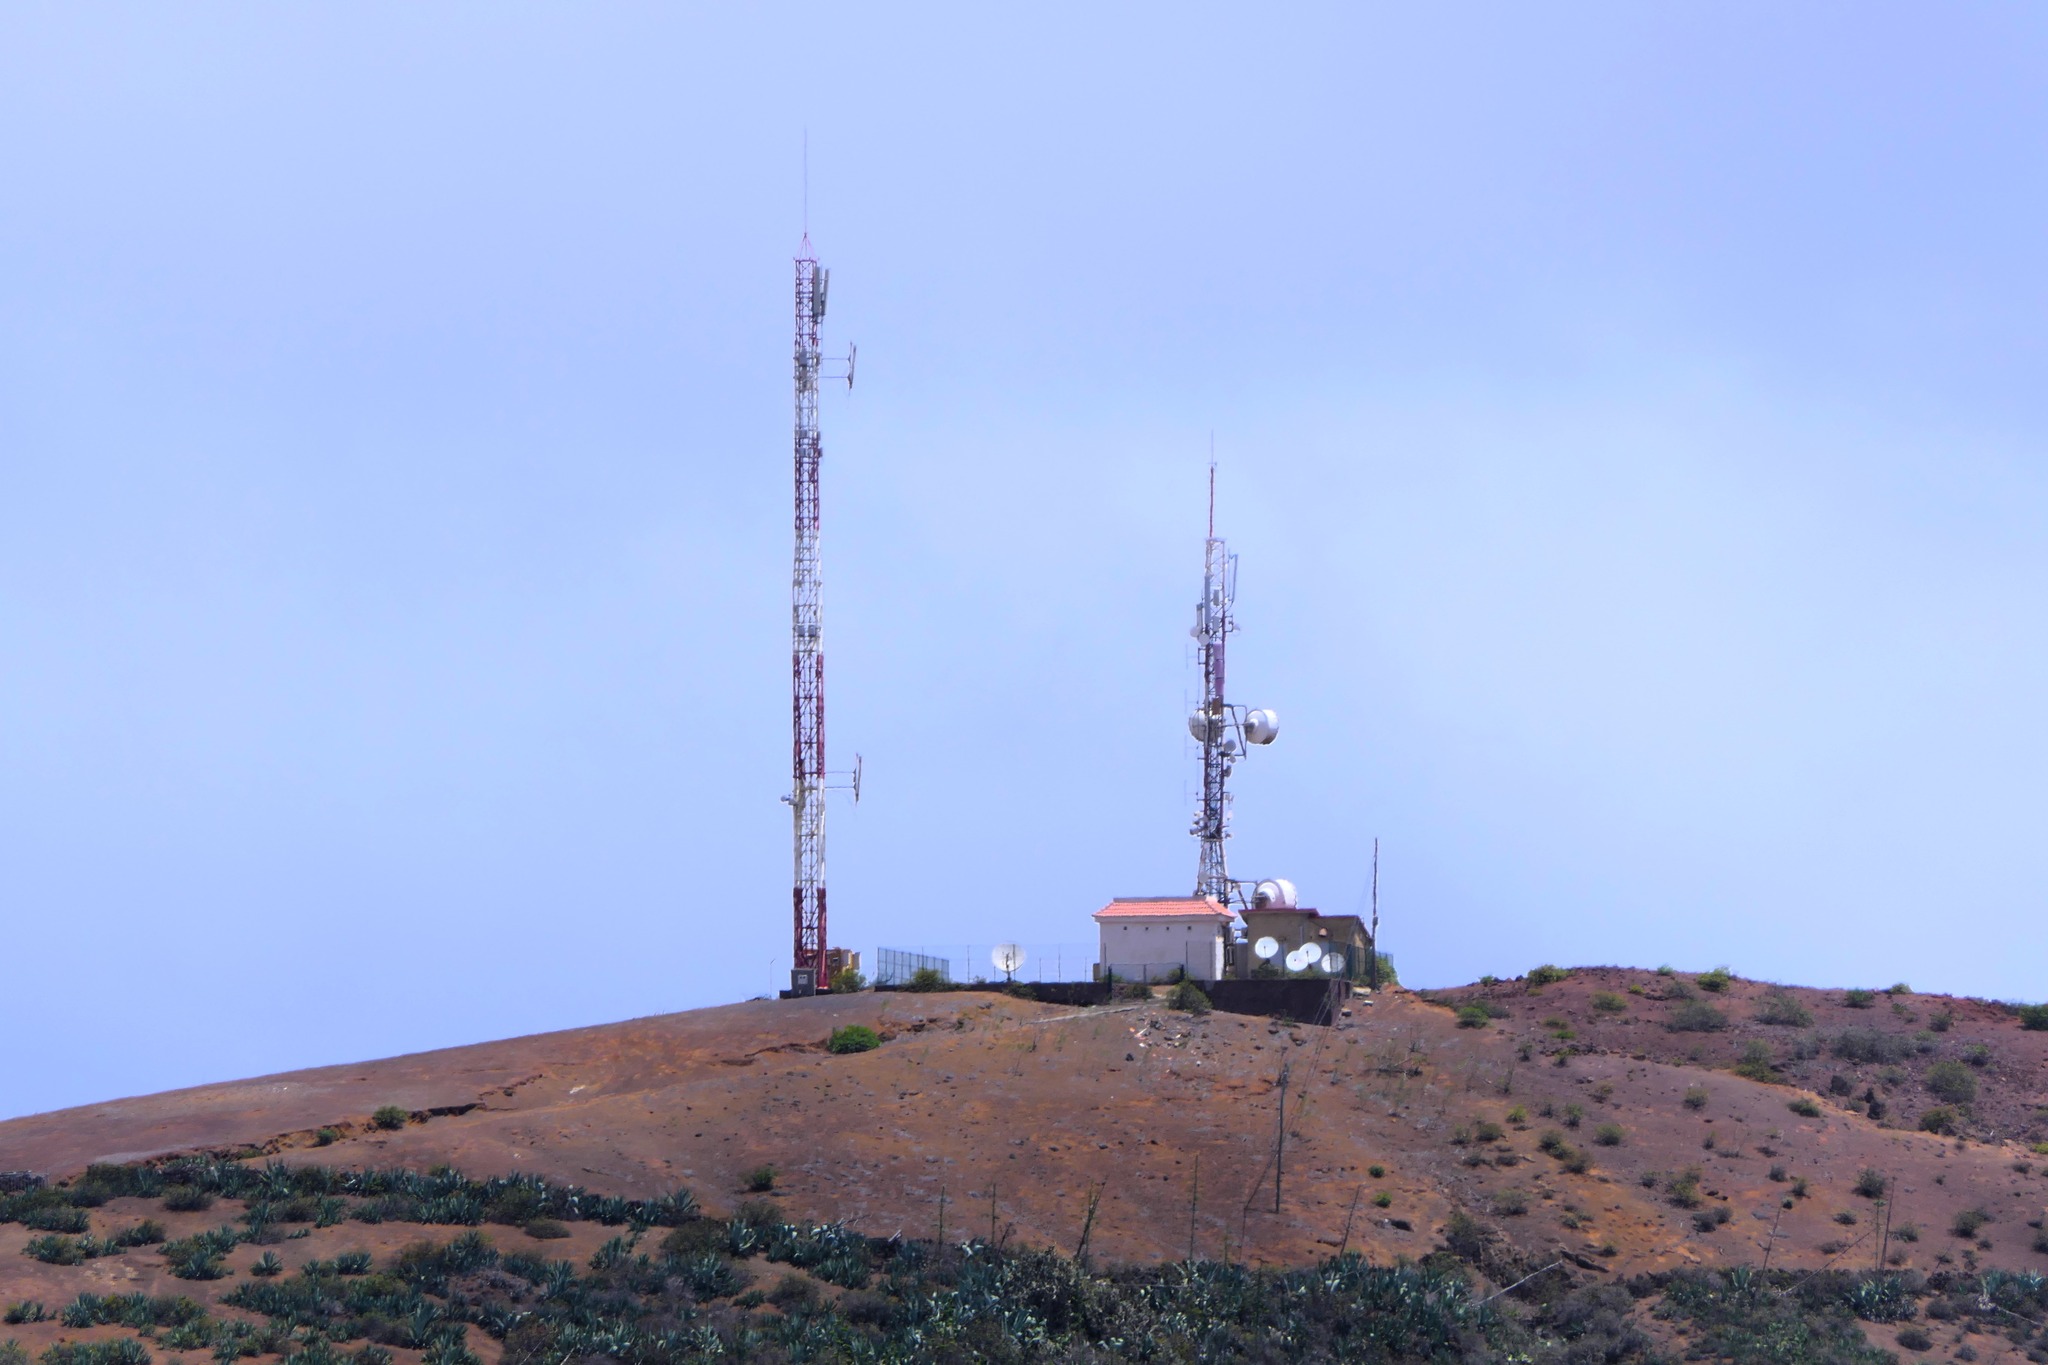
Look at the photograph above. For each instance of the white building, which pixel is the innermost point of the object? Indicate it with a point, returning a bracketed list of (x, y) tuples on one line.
[(1146, 938)]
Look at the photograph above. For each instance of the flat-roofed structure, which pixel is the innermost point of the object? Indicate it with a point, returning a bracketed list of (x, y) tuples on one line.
[(1150, 938), (1345, 934)]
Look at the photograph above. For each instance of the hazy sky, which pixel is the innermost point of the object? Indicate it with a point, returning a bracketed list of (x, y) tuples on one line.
[(1631, 419)]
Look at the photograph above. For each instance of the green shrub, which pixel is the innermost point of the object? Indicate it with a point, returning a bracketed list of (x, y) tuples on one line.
[(1859, 1000), (1804, 1107), (1871, 1047), (326, 1137), (121, 1351), (1383, 1200), (1915, 1339), (1376, 1171), (56, 1249), (1683, 1190), (1473, 1016), (1609, 1135), (1511, 1203), (1942, 1022), (1871, 1184), (1021, 990), (759, 1180), (853, 1038), (1951, 1083), (1756, 1063), (1968, 1222), (2034, 1018), (1607, 1002), (1783, 1009), (1695, 1097), (390, 1116), (930, 979), (1547, 975), (1188, 997), (56, 1218), (1696, 1016), (1938, 1120), (187, 1199), (1488, 1131), (1715, 981), (847, 981)]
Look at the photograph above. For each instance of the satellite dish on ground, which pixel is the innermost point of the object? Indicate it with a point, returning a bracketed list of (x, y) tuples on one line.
[(1267, 947), (1007, 957), (1311, 953), (1333, 963)]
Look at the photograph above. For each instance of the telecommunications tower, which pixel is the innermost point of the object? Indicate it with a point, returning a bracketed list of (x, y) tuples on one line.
[(807, 643), (1223, 730)]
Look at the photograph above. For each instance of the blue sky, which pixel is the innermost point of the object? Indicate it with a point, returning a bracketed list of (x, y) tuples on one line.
[(1629, 417)]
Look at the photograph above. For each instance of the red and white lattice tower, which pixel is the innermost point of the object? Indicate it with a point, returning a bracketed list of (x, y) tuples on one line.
[(807, 645)]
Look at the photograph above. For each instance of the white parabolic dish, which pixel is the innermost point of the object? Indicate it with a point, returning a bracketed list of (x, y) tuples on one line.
[(1267, 947), (1007, 957)]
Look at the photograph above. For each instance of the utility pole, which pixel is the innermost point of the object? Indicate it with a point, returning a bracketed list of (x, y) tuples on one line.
[(1280, 1138)]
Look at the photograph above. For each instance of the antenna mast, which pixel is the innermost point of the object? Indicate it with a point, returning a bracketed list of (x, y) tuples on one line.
[(807, 643), (1223, 730)]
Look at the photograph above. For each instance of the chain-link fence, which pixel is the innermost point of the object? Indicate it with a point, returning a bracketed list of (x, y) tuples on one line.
[(972, 961)]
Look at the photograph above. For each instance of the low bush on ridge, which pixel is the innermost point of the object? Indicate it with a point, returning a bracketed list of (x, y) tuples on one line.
[(688, 1296)]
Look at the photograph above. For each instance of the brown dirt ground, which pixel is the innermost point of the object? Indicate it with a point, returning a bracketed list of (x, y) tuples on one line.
[(1015, 1111)]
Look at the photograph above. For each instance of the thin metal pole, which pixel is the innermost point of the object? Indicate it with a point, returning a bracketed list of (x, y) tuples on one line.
[(1280, 1138), (1373, 947), (1345, 1245)]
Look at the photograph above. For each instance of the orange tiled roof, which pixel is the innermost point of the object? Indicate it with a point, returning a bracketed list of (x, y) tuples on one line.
[(1162, 907)]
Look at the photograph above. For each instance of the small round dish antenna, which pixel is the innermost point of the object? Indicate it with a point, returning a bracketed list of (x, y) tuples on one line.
[(1333, 963), (1311, 953), (1297, 960), (1007, 957), (1267, 948)]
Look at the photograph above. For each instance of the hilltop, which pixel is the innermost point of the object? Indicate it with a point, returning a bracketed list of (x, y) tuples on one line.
[(1617, 1123)]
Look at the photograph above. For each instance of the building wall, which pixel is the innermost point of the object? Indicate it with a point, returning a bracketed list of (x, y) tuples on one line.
[(1153, 947), (1343, 933)]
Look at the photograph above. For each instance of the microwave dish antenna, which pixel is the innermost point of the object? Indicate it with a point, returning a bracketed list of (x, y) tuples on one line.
[(1267, 948), (1275, 893), (1007, 958), (1333, 963)]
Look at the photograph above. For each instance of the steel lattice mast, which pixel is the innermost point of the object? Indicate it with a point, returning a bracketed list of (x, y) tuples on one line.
[(807, 644), (1223, 730), (1211, 722)]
